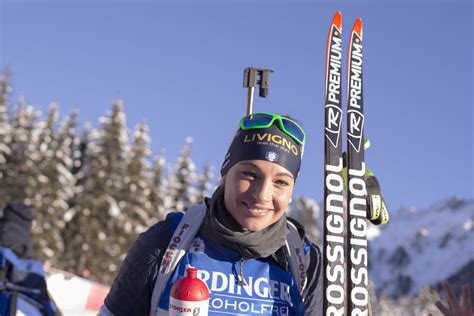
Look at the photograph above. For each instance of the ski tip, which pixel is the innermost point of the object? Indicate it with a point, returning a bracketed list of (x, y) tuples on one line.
[(337, 20), (358, 27)]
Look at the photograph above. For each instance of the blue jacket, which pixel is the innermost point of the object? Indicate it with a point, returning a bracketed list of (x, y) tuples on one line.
[(131, 290)]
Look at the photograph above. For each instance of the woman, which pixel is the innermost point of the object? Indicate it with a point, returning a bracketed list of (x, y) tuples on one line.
[(239, 248)]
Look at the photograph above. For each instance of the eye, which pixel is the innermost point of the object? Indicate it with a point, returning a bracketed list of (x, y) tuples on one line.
[(249, 174), (282, 183)]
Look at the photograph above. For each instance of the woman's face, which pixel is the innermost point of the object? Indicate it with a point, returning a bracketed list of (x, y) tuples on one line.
[(257, 193)]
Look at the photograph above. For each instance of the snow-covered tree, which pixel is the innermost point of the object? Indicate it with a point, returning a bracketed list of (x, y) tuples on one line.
[(422, 304), (105, 228), (160, 201), (5, 137), (5, 130), (181, 189), (306, 211), (19, 183), (46, 134), (79, 230), (79, 147), (56, 186), (137, 183), (204, 183), (5, 89)]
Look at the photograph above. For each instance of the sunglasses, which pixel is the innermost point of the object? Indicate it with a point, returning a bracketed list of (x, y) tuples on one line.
[(265, 120)]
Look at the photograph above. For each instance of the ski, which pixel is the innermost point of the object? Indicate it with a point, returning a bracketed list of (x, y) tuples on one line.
[(334, 294), (357, 274)]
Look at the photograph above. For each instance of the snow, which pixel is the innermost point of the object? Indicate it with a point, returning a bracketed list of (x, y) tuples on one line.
[(437, 241), (75, 295), (468, 225), (372, 231)]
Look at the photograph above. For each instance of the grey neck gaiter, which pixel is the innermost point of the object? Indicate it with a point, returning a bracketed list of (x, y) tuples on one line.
[(221, 227)]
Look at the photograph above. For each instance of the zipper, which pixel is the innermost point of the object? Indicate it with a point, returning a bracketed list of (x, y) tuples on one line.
[(241, 275)]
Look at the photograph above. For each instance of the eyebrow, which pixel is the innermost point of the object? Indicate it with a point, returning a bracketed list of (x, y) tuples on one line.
[(281, 174)]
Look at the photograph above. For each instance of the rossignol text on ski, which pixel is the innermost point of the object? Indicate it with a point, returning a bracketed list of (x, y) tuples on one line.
[(345, 225), (333, 244), (357, 256)]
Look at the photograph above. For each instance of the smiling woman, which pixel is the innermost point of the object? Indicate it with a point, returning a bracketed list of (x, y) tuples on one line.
[(243, 240)]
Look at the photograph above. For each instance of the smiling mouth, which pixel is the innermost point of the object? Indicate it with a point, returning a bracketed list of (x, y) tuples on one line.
[(256, 210)]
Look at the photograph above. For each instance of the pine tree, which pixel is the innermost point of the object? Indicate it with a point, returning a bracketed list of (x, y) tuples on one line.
[(57, 188), (46, 134), (137, 184), (160, 201), (79, 230), (181, 188), (79, 147), (44, 231), (306, 211), (204, 183), (422, 304), (386, 306), (113, 142), (5, 130), (5, 89), (21, 173), (105, 237)]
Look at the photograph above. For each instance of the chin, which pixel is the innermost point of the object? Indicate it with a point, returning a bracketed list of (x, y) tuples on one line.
[(255, 227)]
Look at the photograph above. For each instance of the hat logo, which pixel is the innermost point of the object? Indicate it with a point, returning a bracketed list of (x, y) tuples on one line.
[(271, 156)]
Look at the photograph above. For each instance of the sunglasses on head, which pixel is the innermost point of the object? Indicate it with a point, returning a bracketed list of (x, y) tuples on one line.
[(265, 120)]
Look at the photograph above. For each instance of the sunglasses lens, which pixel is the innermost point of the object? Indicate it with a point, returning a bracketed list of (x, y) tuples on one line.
[(257, 120), (294, 130)]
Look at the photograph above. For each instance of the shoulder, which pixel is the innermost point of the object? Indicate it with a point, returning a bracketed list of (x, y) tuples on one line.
[(298, 226), (161, 226), (147, 250), (312, 250), (313, 290), (158, 235), (133, 285), (302, 234)]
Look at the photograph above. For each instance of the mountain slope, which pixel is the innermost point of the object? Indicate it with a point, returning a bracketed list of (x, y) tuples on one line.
[(423, 247)]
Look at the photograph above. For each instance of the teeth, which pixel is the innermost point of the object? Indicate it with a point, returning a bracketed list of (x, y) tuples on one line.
[(258, 210)]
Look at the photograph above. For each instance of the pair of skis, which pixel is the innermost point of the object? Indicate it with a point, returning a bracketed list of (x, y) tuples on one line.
[(345, 220)]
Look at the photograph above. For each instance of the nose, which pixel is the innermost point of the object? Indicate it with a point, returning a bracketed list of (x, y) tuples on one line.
[(262, 191)]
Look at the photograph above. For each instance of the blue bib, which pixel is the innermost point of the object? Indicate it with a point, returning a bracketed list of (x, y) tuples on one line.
[(268, 289)]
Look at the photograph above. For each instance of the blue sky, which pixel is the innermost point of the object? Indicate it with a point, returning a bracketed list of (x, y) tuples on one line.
[(178, 66)]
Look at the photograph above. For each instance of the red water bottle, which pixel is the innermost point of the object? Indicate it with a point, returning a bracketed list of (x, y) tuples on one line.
[(189, 296)]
